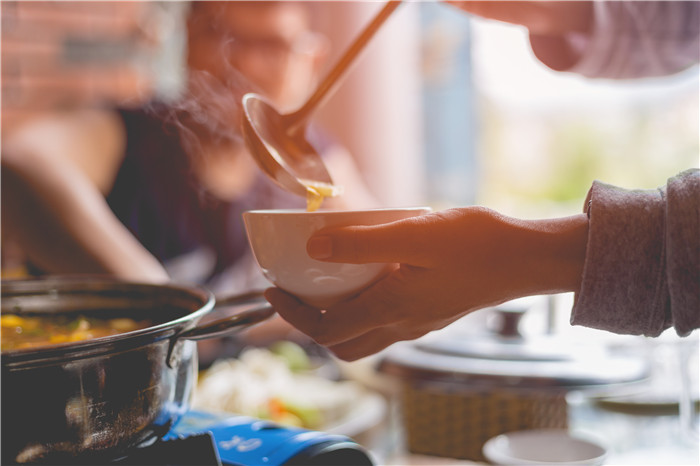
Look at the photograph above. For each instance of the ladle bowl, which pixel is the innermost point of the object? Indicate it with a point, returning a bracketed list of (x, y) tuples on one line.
[(285, 156), (278, 141)]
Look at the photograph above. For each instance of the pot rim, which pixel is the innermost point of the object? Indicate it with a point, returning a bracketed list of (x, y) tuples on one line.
[(57, 285)]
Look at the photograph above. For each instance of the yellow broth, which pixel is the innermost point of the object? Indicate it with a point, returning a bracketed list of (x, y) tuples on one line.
[(316, 191), (19, 332)]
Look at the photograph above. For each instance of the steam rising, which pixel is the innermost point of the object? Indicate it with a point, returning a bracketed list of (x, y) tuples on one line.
[(209, 109)]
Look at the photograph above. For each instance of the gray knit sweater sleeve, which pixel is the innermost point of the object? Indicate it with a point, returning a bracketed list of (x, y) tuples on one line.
[(642, 269)]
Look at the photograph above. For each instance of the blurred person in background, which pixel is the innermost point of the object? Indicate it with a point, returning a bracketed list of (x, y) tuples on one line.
[(632, 257), (156, 193)]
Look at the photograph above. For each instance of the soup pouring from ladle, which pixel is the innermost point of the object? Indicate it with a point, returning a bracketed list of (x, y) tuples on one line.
[(278, 141)]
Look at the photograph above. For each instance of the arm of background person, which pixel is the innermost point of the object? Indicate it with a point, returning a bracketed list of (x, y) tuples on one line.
[(634, 39), (605, 39), (55, 173), (549, 24)]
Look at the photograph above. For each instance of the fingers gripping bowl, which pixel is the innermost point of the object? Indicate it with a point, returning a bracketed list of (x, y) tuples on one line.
[(278, 240)]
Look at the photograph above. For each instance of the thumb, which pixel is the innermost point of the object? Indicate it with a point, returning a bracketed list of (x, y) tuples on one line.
[(397, 242)]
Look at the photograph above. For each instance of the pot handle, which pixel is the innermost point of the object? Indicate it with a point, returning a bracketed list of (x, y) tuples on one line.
[(234, 323)]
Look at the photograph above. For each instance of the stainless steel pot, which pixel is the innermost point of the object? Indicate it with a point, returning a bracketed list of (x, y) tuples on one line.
[(92, 401)]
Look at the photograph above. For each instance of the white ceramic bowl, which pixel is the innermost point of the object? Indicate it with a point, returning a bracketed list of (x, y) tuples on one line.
[(543, 447), (278, 240)]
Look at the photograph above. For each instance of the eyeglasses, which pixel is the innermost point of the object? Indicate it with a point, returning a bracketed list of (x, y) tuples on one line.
[(305, 43), (272, 52)]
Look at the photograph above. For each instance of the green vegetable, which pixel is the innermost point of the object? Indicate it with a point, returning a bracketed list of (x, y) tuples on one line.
[(310, 416), (294, 355)]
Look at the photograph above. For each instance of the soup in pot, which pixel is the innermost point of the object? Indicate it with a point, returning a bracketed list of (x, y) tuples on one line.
[(19, 332)]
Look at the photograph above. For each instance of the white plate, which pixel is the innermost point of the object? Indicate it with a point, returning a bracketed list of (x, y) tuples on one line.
[(369, 411), (544, 446)]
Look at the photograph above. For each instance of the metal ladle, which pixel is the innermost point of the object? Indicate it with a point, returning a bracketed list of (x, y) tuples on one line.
[(278, 142)]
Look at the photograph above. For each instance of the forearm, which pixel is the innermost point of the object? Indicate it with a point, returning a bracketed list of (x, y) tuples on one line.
[(63, 224), (627, 39), (549, 25), (544, 256), (452, 262)]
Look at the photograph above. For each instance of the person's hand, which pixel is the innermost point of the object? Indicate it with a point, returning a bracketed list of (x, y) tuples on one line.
[(539, 17), (449, 263), (548, 24)]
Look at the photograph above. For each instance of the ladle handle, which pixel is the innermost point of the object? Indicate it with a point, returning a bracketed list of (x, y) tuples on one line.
[(299, 117)]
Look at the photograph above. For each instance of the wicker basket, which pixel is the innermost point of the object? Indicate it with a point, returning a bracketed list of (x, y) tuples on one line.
[(455, 421), (460, 390)]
